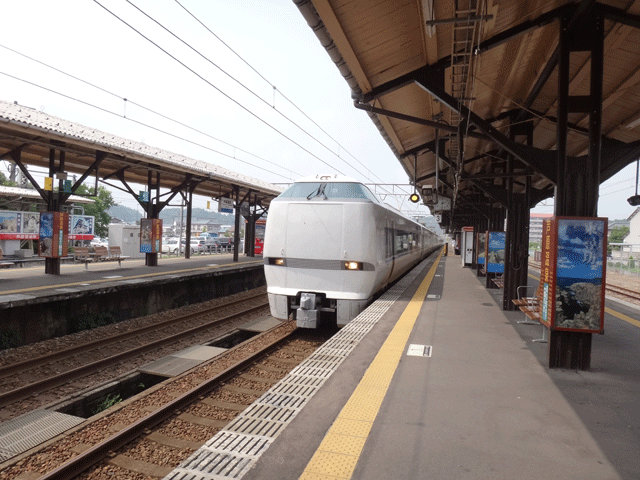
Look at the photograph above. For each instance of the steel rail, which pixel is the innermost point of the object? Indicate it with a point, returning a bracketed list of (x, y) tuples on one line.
[(57, 380), (17, 367), (90, 457)]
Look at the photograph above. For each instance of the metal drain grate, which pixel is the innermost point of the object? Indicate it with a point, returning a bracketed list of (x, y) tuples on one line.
[(234, 450), (27, 431)]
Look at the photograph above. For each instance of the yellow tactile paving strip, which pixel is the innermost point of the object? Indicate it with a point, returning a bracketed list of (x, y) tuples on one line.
[(338, 454)]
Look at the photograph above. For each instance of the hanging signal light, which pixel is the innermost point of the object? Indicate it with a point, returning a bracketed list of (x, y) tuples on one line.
[(415, 198)]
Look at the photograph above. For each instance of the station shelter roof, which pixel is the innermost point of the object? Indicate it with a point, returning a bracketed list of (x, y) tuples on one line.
[(476, 69), (34, 133)]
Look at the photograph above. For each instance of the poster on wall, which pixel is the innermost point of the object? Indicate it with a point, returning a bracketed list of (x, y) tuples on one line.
[(9, 223), (150, 235), (31, 223), (495, 252), (482, 238), (82, 227)]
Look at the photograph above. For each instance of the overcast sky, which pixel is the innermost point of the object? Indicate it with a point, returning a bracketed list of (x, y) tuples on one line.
[(250, 109)]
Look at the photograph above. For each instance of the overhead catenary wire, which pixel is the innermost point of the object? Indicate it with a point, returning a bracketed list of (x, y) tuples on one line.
[(127, 100), (138, 122), (275, 89), (219, 90)]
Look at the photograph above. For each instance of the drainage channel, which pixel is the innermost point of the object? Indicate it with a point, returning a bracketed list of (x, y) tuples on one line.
[(32, 429)]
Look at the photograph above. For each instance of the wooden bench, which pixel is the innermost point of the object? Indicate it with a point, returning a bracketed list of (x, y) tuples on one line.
[(115, 253), (5, 263), (530, 306), (498, 281), (101, 253), (81, 254)]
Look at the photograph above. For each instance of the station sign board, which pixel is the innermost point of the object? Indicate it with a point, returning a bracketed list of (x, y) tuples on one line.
[(225, 205), (573, 273), (150, 235), (54, 234)]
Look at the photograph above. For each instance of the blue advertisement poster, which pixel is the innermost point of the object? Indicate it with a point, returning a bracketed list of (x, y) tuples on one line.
[(46, 234), (495, 252), (580, 274)]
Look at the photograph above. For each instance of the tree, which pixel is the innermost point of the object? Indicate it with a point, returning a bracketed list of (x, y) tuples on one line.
[(102, 203), (617, 234), (6, 182)]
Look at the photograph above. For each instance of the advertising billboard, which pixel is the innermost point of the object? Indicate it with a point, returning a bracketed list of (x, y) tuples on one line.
[(150, 235), (54, 234), (574, 273), (26, 226)]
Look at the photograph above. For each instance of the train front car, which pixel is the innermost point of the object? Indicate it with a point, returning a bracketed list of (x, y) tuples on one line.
[(324, 250)]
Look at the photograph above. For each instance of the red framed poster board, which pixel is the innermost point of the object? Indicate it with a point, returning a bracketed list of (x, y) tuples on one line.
[(150, 235), (573, 273)]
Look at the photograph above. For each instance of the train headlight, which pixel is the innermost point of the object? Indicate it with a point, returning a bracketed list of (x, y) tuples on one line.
[(277, 261), (353, 265)]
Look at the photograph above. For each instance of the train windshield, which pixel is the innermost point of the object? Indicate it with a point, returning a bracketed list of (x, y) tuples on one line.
[(328, 191)]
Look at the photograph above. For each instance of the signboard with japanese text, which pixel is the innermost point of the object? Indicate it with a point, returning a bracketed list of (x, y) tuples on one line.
[(150, 235), (225, 205), (495, 252), (54, 234), (547, 269)]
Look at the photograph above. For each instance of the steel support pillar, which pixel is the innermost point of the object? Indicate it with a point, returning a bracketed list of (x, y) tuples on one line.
[(517, 231), (151, 259), (52, 265), (236, 233), (578, 180)]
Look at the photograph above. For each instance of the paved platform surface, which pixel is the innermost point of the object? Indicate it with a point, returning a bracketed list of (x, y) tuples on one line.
[(482, 406), (20, 283)]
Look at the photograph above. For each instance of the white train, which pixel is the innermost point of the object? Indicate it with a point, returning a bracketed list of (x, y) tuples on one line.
[(330, 245)]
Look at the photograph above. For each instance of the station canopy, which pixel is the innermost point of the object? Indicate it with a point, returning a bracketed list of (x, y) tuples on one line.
[(482, 77), (32, 136)]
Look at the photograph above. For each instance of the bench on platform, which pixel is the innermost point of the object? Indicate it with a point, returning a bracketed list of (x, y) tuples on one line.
[(81, 254), (498, 281), (115, 253), (529, 305), (101, 253)]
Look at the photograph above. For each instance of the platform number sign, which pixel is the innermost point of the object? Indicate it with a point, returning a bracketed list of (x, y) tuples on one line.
[(438, 218)]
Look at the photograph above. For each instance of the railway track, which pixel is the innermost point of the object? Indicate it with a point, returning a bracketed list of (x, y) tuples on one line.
[(176, 417), (119, 346), (631, 295)]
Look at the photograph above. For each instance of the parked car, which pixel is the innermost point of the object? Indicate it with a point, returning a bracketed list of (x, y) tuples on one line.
[(171, 246), (98, 242), (225, 244)]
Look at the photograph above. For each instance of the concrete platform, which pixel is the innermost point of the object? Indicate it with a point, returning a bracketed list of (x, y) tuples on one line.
[(478, 404), (77, 298)]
